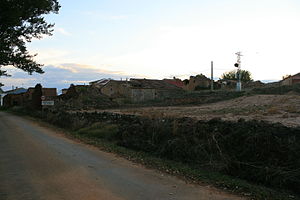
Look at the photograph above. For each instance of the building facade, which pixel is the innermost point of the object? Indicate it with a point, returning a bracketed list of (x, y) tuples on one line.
[(139, 90), (291, 80)]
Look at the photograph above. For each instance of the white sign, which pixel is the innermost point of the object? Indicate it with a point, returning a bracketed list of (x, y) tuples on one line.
[(47, 103)]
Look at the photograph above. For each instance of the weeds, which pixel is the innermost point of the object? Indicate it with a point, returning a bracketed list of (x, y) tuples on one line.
[(261, 153), (100, 130)]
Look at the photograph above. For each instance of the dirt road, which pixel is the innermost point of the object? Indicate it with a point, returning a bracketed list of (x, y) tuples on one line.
[(36, 163)]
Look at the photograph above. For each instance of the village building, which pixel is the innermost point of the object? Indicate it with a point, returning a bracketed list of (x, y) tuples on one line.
[(64, 91), (139, 90), (175, 81), (291, 80), (227, 84), (116, 89), (199, 82), (23, 97), (48, 93), (148, 89), (11, 92), (99, 83)]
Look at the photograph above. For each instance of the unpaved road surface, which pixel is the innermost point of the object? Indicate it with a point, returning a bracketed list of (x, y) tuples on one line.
[(37, 163)]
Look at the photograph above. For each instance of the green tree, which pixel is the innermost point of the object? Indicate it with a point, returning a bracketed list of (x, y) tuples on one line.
[(20, 22), (245, 75)]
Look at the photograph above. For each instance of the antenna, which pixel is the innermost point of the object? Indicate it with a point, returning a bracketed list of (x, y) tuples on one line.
[(238, 73)]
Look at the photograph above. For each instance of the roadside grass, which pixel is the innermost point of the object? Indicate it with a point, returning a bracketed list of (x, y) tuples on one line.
[(189, 173), (99, 130), (101, 136)]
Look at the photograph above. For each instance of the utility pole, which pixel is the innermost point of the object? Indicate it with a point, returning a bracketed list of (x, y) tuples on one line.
[(212, 76), (238, 73)]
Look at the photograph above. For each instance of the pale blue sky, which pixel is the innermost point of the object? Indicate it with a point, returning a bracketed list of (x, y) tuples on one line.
[(165, 38)]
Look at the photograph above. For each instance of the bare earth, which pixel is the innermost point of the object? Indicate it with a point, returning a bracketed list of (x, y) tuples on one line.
[(37, 163), (284, 109)]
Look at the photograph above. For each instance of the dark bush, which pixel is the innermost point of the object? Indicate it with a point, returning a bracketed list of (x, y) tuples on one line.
[(257, 151)]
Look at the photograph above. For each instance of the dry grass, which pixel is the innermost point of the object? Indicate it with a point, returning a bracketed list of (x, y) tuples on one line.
[(284, 109)]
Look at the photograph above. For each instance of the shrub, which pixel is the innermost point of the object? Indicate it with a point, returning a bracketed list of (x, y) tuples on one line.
[(100, 130)]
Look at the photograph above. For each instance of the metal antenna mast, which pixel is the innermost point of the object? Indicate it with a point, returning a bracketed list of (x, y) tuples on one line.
[(238, 73)]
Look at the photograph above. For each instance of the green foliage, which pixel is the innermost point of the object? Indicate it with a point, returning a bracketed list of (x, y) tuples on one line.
[(100, 130), (20, 22), (245, 75)]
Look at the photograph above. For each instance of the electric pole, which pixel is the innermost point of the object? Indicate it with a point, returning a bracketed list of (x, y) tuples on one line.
[(238, 73), (212, 76)]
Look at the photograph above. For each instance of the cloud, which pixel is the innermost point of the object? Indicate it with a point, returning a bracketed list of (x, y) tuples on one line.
[(63, 31), (48, 56), (61, 76)]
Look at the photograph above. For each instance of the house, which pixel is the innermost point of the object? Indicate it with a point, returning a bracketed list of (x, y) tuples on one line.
[(99, 83), (149, 89), (175, 81), (11, 92), (64, 91), (48, 93), (198, 82), (115, 89), (23, 97), (227, 84), (139, 90), (290, 80)]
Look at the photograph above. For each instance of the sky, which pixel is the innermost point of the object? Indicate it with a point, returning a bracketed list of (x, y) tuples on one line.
[(158, 39)]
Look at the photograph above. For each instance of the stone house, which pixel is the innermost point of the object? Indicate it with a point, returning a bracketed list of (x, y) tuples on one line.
[(175, 81), (139, 90), (199, 82), (48, 93), (11, 93), (64, 91), (14, 100), (148, 89), (290, 80), (115, 89), (24, 98), (227, 84), (100, 83)]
